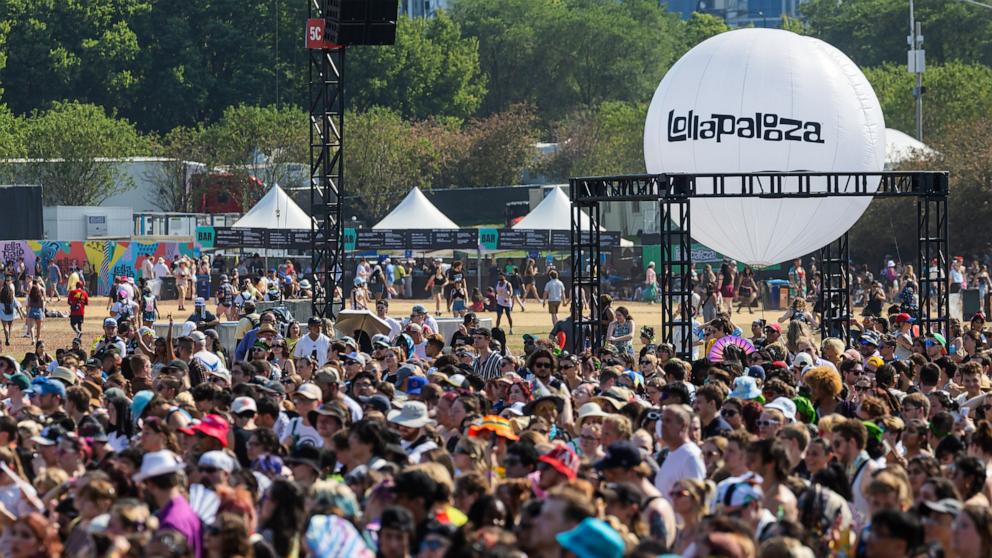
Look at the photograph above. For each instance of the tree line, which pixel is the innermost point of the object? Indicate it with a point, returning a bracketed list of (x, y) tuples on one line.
[(458, 101)]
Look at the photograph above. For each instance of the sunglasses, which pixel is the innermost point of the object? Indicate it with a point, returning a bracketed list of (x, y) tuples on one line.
[(208, 470), (678, 493), (542, 364), (645, 362), (767, 423), (729, 412), (652, 415)]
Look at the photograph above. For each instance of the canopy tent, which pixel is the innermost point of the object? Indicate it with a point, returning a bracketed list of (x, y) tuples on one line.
[(901, 147), (415, 212), (276, 210), (554, 213)]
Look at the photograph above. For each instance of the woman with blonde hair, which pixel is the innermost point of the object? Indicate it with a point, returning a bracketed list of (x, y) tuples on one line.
[(691, 499)]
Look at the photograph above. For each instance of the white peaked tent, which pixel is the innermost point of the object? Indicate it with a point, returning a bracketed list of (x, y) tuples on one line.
[(900, 146), (415, 212), (554, 213), (276, 210)]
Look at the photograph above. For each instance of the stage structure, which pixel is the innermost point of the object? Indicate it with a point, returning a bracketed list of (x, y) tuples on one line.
[(674, 192), (332, 26)]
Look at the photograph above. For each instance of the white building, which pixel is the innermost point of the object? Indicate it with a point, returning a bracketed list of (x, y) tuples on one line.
[(63, 222)]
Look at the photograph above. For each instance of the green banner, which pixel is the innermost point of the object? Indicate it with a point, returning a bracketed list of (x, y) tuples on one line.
[(350, 240), (205, 236), (489, 239)]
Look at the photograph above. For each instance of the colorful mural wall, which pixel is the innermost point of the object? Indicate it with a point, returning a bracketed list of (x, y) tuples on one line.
[(100, 259)]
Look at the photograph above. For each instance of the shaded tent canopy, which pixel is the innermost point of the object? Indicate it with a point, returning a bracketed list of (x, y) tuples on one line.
[(276, 210), (415, 212), (900, 147), (554, 213)]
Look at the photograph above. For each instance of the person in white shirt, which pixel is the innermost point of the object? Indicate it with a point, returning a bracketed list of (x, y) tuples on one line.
[(200, 352), (410, 421), (313, 341), (395, 327), (161, 270), (554, 294), (685, 459), (300, 431)]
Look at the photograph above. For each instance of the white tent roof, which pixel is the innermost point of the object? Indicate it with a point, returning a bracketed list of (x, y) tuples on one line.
[(554, 213), (276, 210), (415, 212), (900, 146)]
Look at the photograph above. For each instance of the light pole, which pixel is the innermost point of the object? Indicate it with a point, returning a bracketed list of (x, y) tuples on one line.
[(916, 64)]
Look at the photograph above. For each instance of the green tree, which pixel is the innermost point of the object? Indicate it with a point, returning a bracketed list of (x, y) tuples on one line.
[(964, 149), (955, 92), (498, 148), (873, 32), (562, 55), (199, 58), (384, 160), (700, 27), (70, 147), (71, 49), (606, 140), (430, 71), (184, 149), (268, 143)]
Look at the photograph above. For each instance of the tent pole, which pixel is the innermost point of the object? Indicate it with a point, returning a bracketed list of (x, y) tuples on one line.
[(478, 268)]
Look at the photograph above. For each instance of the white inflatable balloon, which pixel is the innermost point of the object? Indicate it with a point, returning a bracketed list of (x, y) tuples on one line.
[(766, 100)]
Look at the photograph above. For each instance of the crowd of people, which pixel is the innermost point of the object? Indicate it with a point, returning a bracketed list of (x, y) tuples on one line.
[(300, 442)]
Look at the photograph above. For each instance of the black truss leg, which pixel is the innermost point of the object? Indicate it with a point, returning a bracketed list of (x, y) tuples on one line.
[(326, 71), (835, 295), (676, 271)]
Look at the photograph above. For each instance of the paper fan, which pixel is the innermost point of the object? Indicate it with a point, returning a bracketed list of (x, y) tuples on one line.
[(716, 351), (205, 503)]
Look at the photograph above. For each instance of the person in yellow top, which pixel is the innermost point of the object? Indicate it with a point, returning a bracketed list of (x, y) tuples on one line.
[(399, 272)]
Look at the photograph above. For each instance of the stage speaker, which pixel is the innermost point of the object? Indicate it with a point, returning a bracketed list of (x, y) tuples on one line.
[(361, 22)]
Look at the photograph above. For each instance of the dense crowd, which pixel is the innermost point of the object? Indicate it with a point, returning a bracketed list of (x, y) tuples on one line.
[(407, 443)]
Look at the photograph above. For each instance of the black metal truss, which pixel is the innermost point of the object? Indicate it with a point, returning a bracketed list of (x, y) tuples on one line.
[(674, 192), (587, 331), (835, 290), (326, 89), (932, 258), (676, 275)]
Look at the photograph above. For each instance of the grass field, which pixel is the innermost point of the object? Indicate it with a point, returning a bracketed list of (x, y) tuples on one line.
[(534, 320)]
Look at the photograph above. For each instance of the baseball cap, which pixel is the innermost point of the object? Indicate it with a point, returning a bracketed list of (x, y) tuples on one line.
[(49, 435), (243, 404), (786, 406), (949, 506), (109, 322), (212, 426), (775, 326), (314, 321), (198, 336), (199, 301), (415, 385), (309, 391), (20, 380), (802, 360), (735, 492), (378, 402), (418, 309), (218, 460), (902, 317), (48, 386), (380, 340), (621, 455), (564, 460)]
